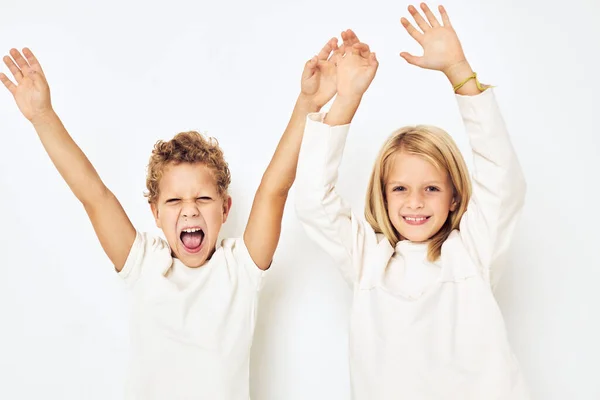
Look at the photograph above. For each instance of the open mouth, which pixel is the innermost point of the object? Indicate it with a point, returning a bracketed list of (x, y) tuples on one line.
[(192, 239), (415, 220)]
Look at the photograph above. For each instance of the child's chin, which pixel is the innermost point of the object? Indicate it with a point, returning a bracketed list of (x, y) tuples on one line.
[(415, 237), (193, 260)]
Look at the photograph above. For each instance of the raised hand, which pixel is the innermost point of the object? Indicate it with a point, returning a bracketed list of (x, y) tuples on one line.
[(319, 75), (356, 68), (442, 50), (31, 91)]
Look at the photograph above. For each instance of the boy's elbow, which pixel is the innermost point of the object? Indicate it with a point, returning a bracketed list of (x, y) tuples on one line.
[(276, 184), (97, 196), (274, 190)]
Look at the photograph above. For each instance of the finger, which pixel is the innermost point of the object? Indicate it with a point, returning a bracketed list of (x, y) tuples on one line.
[(326, 50), (21, 62), (413, 60), (338, 54), (312, 63), (430, 17), (32, 60), (363, 49), (418, 19), (412, 31), (445, 18), (309, 68), (373, 61), (12, 67), (352, 36), (349, 37), (325, 67), (334, 43), (7, 83)]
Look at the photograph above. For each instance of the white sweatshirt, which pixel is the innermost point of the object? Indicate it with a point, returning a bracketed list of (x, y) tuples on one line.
[(422, 330)]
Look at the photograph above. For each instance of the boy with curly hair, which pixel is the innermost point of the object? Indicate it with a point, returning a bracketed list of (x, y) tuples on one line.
[(194, 300)]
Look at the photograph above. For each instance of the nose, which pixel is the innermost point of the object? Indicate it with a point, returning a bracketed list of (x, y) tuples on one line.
[(190, 210), (415, 200)]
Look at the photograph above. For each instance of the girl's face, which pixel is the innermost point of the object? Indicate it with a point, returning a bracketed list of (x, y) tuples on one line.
[(419, 197)]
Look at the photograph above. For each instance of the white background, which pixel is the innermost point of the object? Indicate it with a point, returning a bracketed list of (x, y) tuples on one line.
[(126, 73)]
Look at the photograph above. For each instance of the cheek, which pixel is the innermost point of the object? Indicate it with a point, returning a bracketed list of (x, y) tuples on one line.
[(394, 203), (168, 216), (213, 215), (442, 205)]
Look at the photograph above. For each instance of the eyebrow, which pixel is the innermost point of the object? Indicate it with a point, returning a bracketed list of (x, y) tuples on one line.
[(428, 183), (175, 195)]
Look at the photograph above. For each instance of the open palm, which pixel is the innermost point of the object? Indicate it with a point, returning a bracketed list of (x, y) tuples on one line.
[(31, 91), (441, 47)]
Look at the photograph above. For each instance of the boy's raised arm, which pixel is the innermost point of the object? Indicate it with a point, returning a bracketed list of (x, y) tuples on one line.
[(32, 95), (318, 86)]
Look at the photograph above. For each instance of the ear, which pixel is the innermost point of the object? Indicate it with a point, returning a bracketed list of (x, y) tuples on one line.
[(453, 204), (154, 209), (226, 208)]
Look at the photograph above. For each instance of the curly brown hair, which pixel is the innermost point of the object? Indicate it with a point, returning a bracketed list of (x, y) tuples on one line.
[(187, 147)]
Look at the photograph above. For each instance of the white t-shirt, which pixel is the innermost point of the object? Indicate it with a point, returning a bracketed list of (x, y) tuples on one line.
[(191, 328), (421, 330)]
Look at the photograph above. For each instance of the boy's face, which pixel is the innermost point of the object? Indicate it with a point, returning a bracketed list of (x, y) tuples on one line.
[(190, 211)]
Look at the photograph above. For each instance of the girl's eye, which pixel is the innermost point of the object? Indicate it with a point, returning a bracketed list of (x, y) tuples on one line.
[(432, 189), (399, 189)]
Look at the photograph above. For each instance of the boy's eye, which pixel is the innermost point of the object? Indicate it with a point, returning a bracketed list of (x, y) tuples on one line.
[(171, 201), (204, 198)]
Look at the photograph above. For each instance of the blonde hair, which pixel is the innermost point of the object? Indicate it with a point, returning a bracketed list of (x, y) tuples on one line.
[(436, 146), (187, 147)]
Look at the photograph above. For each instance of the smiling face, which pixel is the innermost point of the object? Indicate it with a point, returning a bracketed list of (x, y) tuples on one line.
[(419, 196), (190, 211), (419, 188)]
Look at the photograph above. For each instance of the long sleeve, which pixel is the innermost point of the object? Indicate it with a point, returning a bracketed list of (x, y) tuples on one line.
[(326, 217), (498, 183)]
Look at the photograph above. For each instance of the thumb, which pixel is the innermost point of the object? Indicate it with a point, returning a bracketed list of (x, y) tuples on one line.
[(373, 60), (310, 68), (414, 60)]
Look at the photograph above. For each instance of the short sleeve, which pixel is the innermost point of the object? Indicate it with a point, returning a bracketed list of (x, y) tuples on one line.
[(147, 253), (246, 267)]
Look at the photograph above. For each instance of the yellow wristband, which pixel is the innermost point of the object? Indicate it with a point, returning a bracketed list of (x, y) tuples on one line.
[(473, 76)]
